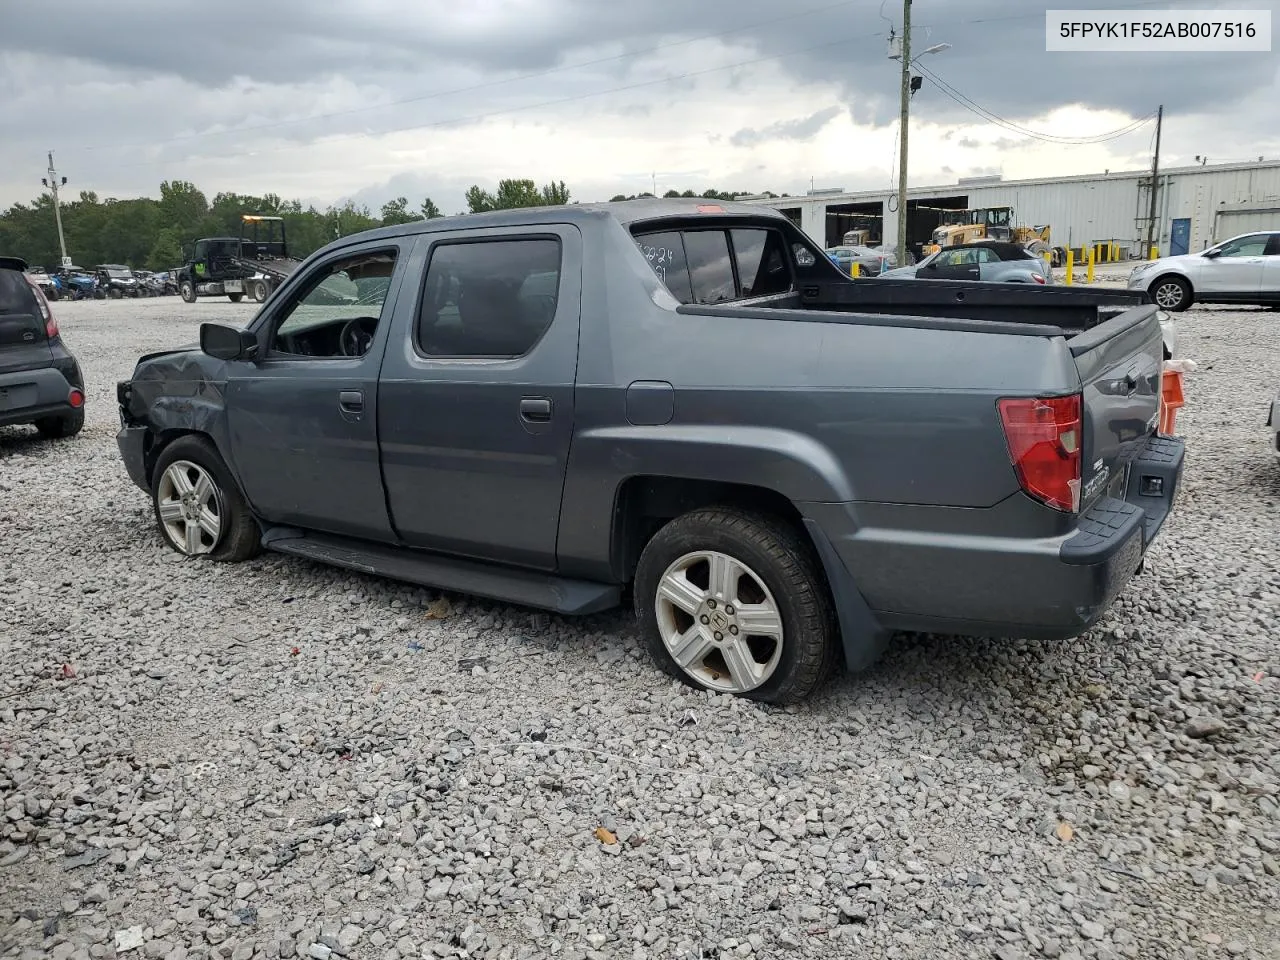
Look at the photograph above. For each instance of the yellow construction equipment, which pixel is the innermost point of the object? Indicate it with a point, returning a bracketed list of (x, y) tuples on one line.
[(986, 223)]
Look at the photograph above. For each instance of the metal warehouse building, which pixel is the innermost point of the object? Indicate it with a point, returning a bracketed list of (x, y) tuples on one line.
[(1197, 206)]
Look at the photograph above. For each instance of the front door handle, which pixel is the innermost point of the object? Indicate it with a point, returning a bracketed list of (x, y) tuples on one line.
[(535, 409), (351, 401)]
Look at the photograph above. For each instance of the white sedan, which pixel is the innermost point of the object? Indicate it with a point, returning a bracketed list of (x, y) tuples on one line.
[(1244, 269)]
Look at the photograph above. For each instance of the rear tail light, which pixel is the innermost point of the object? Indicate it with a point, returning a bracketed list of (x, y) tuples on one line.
[(75, 398), (1037, 278), (1044, 436), (50, 324)]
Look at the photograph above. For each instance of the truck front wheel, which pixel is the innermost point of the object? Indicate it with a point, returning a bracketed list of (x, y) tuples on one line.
[(198, 507), (735, 602), (188, 291)]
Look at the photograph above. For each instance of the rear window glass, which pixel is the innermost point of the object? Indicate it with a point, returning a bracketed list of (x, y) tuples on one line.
[(16, 295), (717, 265), (762, 262), (710, 269), (665, 253)]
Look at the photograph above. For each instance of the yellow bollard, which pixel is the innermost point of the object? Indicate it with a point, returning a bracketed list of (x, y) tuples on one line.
[(1048, 258), (1155, 253), (1071, 262), (1088, 273), (855, 269)]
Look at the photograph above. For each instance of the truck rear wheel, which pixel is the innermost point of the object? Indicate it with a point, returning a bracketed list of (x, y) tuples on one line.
[(188, 291), (735, 602), (258, 291)]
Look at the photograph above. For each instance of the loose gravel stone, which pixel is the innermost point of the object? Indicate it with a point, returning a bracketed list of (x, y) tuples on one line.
[(278, 759)]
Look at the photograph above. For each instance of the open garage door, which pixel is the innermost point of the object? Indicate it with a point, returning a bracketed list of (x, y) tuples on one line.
[(923, 216), (845, 217)]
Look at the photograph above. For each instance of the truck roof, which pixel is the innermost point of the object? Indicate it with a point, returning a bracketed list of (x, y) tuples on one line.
[(625, 212)]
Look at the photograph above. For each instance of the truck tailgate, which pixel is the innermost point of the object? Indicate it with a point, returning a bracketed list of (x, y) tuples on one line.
[(1120, 363)]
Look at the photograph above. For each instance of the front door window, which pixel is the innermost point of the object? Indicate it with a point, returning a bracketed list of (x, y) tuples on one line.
[(337, 310)]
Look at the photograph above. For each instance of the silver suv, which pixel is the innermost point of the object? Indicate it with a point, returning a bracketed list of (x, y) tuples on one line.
[(1244, 269)]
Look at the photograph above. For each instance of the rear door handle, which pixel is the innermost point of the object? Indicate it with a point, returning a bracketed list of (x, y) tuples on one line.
[(351, 401), (535, 409)]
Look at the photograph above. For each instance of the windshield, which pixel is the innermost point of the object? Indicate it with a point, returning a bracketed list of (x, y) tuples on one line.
[(119, 274)]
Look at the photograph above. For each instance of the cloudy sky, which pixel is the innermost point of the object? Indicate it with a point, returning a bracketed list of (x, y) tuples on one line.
[(371, 99)]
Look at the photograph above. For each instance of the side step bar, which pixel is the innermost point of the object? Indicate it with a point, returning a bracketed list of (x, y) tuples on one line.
[(527, 588)]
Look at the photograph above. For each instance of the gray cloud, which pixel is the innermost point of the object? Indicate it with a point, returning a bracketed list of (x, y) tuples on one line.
[(231, 96), (803, 128)]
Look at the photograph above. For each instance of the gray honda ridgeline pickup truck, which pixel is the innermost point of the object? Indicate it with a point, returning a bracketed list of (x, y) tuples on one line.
[(680, 402)]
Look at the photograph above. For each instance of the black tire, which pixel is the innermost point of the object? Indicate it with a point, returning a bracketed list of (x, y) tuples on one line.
[(188, 291), (52, 295), (778, 555), (60, 428), (115, 293), (235, 297), (1176, 291), (258, 291), (239, 537)]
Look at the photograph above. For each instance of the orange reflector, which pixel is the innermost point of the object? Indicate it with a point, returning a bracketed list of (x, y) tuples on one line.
[(1170, 400)]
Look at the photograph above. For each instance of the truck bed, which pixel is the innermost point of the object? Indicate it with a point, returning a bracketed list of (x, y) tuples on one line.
[(1013, 308)]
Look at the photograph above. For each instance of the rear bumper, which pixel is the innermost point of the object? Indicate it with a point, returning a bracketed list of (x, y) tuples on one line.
[(30, 395), (132, 442), (945, 576)]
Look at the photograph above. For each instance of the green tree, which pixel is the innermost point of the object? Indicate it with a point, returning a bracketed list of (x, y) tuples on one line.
[(513, 194), (166, 252), (397, 211), (429, 210), (181, 203)]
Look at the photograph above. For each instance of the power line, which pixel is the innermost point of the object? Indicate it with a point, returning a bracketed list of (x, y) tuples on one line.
[(1013, 127)]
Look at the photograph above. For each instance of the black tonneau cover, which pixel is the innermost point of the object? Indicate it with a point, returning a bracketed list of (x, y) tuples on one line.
[(1064, 307)]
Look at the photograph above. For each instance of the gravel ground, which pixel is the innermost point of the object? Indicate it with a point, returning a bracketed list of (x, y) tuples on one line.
[(278, 759)]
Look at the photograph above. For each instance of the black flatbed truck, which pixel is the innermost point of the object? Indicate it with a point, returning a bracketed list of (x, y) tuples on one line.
[(255, 263)]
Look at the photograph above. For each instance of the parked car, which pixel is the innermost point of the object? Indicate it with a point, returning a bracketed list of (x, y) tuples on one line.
[(683, 401), (117, 281), (1244, 269), (871, 261), (76, 283), (992, 260), (162, 283), (40, 277), (40, 380)]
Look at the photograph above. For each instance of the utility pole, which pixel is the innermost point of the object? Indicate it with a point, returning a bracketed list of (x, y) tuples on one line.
[(1155, 174), (53, 183), (903, 122)]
